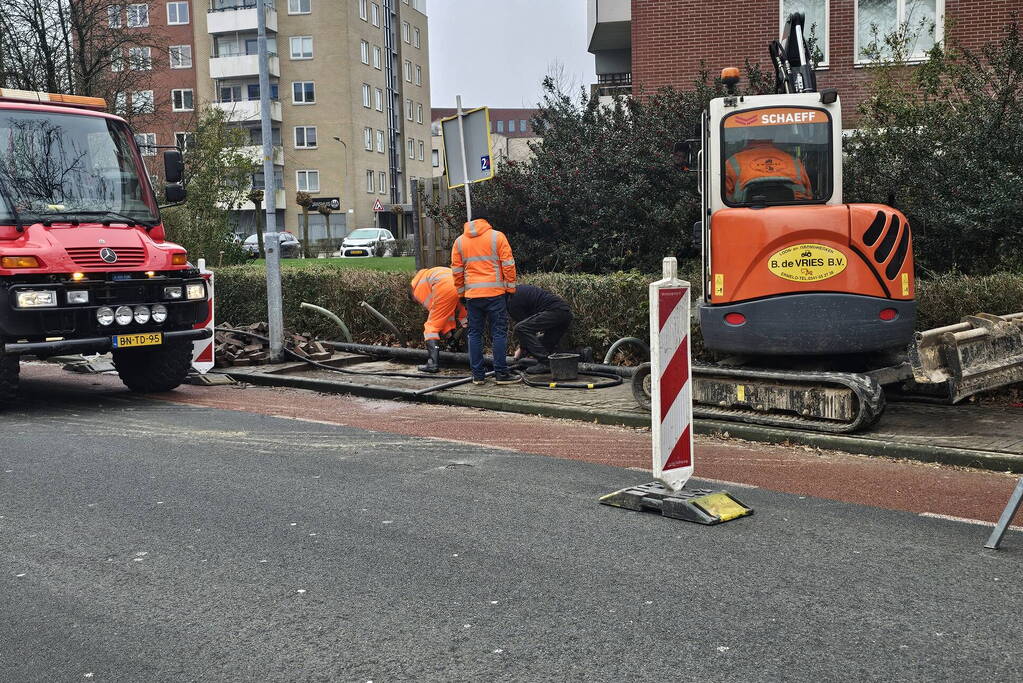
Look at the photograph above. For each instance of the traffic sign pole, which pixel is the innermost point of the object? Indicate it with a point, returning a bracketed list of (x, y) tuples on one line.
[(465, 165)]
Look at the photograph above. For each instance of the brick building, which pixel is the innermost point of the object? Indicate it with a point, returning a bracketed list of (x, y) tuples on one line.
[(642, 45)]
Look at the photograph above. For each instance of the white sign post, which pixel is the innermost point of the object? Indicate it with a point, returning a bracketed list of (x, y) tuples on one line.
[(202, 349)]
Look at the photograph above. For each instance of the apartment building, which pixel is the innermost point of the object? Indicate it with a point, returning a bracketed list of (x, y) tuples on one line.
[(511, 131), (350, 97), (643, 45)]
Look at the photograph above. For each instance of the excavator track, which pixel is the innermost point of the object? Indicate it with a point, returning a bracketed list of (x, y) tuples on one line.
[(830, 402)]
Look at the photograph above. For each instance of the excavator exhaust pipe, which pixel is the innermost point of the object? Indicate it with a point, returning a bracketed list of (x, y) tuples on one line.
[(980, 353)]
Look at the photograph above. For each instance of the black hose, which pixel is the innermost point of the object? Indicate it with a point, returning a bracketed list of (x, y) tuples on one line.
[(333, 368), (383, 318), (613, 380), (626, 340)]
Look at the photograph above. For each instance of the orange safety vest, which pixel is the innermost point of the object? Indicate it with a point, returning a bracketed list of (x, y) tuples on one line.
[(434, 288), (482, 262), (764, 160)]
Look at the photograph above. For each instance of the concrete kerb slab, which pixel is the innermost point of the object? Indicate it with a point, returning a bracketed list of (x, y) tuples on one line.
[(861, 444)]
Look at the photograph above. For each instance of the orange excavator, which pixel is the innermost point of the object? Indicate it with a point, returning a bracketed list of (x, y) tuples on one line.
[(809, 300)]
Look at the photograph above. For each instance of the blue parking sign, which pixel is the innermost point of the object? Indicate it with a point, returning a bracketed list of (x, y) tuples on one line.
[(485, 163)]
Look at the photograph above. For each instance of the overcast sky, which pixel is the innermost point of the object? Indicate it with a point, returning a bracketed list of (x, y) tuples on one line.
[(496, 52)]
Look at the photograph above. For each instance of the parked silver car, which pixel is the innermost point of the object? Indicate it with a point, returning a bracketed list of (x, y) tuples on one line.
[(290, 246), (366, 242)]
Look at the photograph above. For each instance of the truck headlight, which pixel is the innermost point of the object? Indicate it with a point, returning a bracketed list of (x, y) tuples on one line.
[(105, 315), (78, 297), (195, 290), (141, 314), (39, 298), (124, 315), (159, 313), (172, 292)]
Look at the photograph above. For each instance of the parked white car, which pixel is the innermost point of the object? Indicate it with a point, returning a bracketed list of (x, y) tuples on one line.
[(366, 242)]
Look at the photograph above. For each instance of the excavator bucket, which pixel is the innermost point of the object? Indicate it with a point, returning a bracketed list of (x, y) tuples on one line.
[(982, 352)]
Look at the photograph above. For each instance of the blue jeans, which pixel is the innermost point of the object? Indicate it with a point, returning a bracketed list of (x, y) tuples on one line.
[(494, 309)]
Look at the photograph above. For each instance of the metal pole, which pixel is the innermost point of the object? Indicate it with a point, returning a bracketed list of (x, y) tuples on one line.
[(465, 166), (1006, 519), (271, 241)]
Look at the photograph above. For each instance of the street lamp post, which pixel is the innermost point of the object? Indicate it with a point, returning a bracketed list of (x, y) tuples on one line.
[(344, 174)]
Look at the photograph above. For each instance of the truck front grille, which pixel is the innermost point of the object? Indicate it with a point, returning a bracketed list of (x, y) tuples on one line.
[(89, 257)]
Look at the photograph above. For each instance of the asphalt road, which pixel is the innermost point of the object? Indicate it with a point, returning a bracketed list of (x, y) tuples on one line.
[(149, 541)]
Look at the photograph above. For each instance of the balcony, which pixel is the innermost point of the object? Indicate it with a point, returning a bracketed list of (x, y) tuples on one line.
[(279, 195), (242, 66), (238, 16), (609, 25), (255, 152), (248, 111)]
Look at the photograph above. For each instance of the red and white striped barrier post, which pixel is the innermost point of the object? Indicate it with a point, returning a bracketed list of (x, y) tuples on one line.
[(202, 349), (671, 378)]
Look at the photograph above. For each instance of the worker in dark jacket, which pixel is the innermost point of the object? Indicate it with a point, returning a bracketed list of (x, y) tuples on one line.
[(541, 320)]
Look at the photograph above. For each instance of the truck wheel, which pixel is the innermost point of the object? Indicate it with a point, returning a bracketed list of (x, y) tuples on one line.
[(8, 379), (153, 370), (641, 386)]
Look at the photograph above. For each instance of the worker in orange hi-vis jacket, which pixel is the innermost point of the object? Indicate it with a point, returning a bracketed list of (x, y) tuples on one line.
[(484, 271), (762, 161), (434, 289)]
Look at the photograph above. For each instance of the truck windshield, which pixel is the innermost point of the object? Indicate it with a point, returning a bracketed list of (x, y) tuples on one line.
[(56, 164), (777, 155)]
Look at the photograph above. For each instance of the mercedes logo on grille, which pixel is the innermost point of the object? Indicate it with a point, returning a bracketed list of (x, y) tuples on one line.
[(108, 255)]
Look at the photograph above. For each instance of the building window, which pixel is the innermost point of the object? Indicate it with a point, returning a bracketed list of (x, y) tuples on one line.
[(435, 158), (117, 60), (231, 93), (419, 75), (367, 139), (365, 95), (408, 109), (816, 24), (376, 57), (184, 140), (305, 137), (362, 9), (383, 183), (415, 37), (301, 47), (380, 141), (370, 177), (408, 71), (419, 113), (406, 32), (146, 143), (307, 181), (114, 17), (422, 151), (303, 92), (921, 20), (180, 56), (140, 59), (379, 99), (522, 125), (182, 100), (142, 102), (411, 148), (500, 126), (299, 6), (364, 51), (138, 16), (177, 13), (374, 13)]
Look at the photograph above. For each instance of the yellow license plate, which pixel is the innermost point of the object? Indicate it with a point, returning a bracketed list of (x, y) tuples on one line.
[(357, 252), (126, 341)]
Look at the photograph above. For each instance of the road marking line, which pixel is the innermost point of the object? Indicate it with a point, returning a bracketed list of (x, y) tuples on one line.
[(724, 482), (964, 520)]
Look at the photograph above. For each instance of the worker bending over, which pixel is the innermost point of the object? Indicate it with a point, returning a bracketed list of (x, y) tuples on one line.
[(484, 271), (434, 288), (541, 320), (763, 168)]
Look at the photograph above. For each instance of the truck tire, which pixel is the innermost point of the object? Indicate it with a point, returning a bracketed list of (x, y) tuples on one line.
[(153, 370), (9, 369)]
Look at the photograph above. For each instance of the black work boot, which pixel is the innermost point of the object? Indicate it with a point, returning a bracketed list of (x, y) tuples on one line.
[(433, 360), (540, 367)]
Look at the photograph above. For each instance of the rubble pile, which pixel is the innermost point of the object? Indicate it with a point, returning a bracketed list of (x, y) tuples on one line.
[(235, 347)]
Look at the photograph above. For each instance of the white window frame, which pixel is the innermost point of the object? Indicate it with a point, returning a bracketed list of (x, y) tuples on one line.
[(148, 102), (378, 99), (411, 148), (305, 137), (370, 179), (408, 109), (419, 75), (408, 71), (303, 176), (416, 37), (174, 97), (298, 3), (114, 17), (180, 50), (422, 151), (177, 7), (301, 54), (181, 139), (364, 52), (363, 13), (147, 144), (435, 157), (367, 139), (406, 32), (365, 96), (377, 61), (142, 62), (900, 19), (382, 184), (137, 15), (303, 101), (419, 113), (782, 16), (380, 141), (117, 60), (374, 14)]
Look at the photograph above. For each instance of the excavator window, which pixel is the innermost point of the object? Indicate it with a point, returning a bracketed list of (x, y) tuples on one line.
[(776, 156)]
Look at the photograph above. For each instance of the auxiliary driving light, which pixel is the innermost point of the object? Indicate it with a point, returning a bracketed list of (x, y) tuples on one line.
[(105, 315), (123, 315), (141, 314), (79, 296), (40, 298), (172, 292), (159, 313), (195, 290)]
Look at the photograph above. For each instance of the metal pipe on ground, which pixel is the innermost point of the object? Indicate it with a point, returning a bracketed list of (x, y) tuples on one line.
[(419, 355), (387, 323), (333, 316)]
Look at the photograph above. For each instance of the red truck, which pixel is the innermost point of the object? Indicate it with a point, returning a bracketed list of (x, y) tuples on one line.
[(84, 261)]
